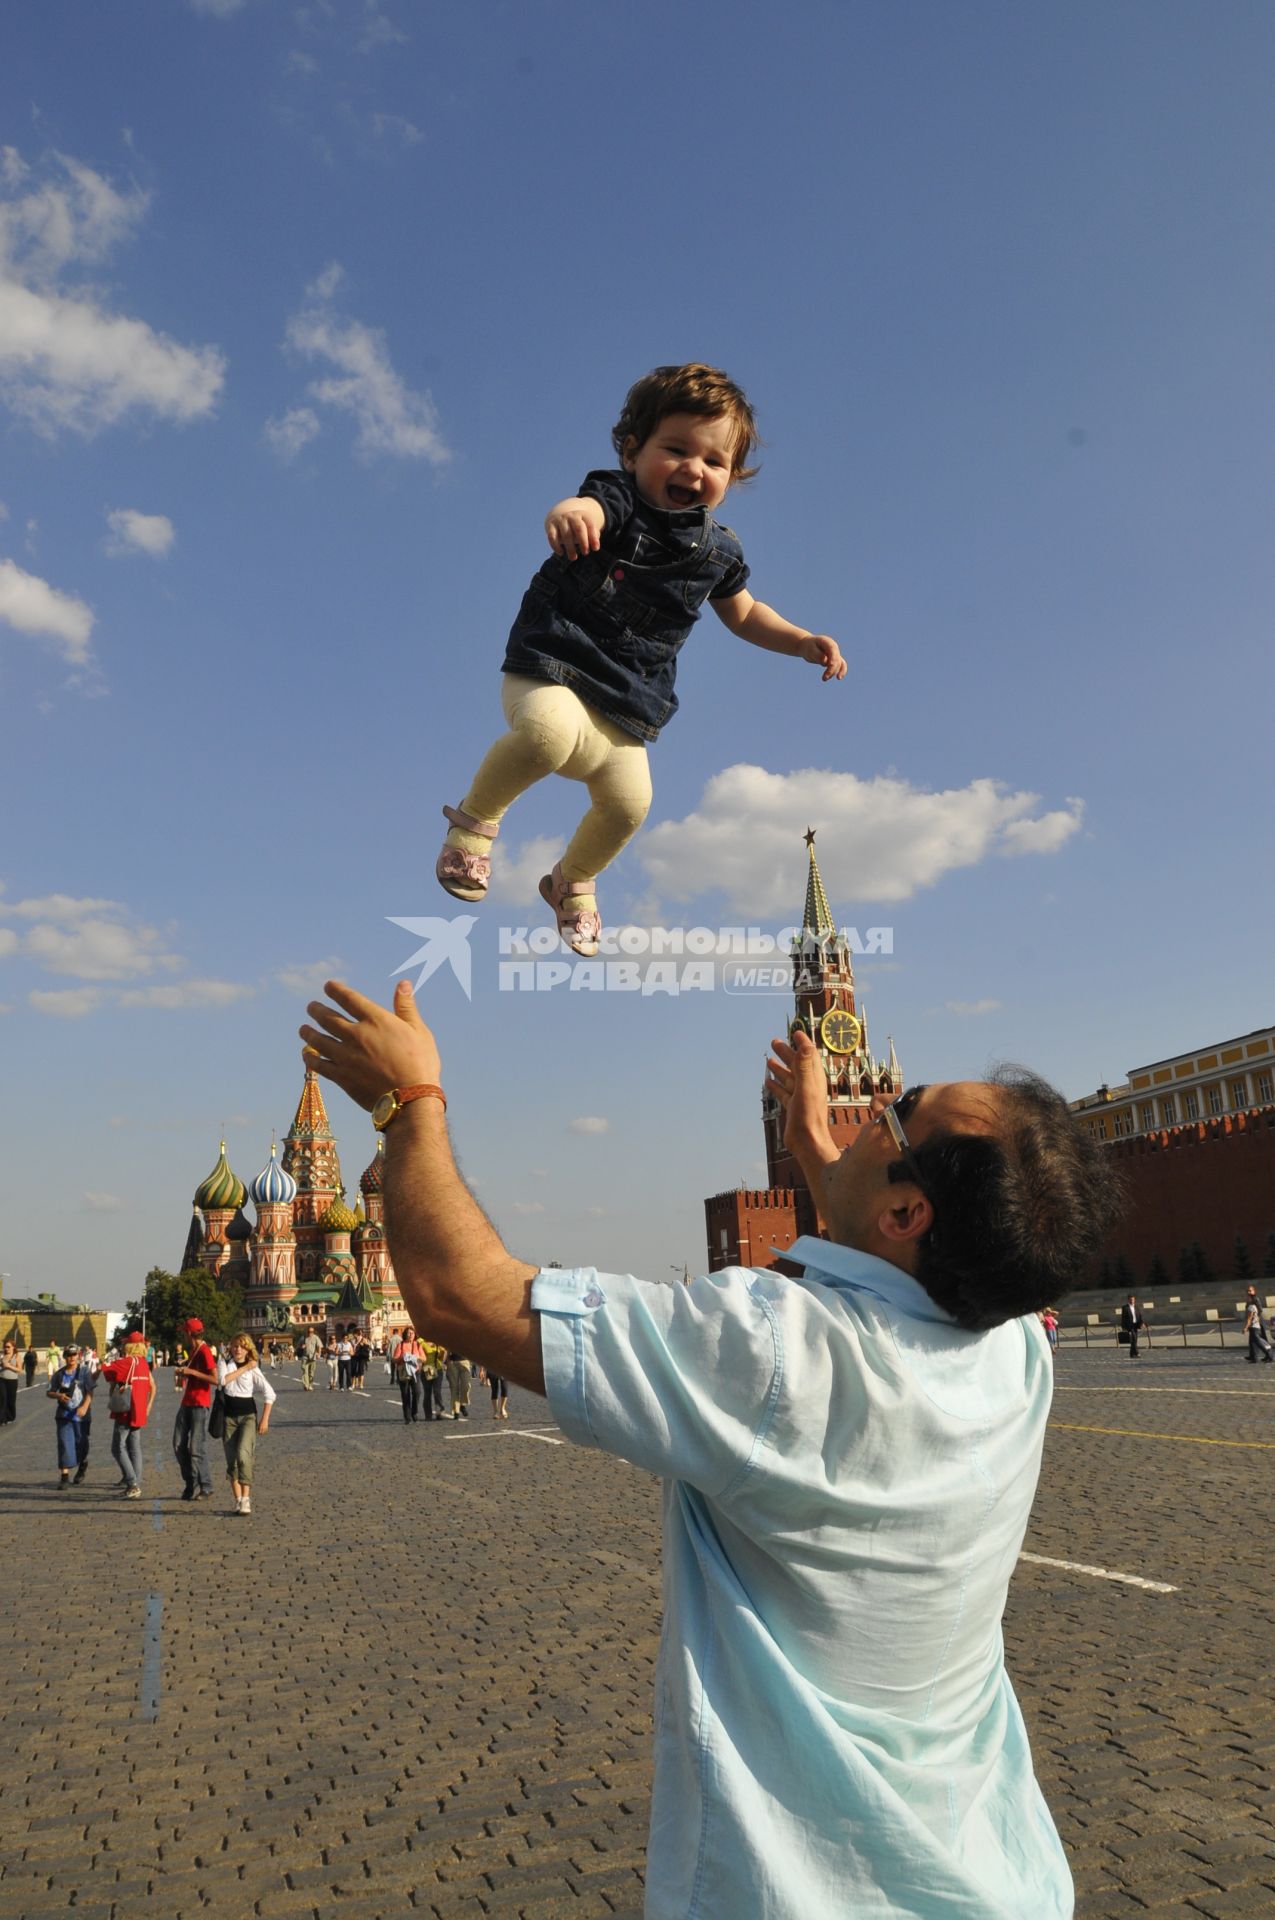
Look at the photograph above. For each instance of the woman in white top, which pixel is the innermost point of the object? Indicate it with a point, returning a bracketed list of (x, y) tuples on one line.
[(242, 1380)]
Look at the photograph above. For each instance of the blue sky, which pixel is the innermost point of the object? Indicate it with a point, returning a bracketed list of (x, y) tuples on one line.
[(308, 313)]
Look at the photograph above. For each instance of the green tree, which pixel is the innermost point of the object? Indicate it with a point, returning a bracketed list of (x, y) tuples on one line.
[(1123, 1274), (1203, 1271), (1268, 1265), (1157, 1273), (1242, 1261), (167, 1299)]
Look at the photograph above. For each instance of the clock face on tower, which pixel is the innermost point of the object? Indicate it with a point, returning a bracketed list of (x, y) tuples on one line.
[(840, 1031)]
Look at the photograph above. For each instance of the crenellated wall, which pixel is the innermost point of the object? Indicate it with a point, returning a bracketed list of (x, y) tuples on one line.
[(1209, 1181)]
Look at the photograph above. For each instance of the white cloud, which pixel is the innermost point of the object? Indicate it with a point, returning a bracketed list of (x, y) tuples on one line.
[(882, 839), (220, 9), (68, 1003), (66, 361), (972, 1008), (100, 941), (378, 31), (97, 948), (525, 1207), (101, 1203), (6, 1006), (307, 977), (390, 417), (134, 532), (392, 126), (302, 63), (516, 871), (4, 511), (186, 993), (31, 605), (58, 906), (590, 1123), (296, 428)]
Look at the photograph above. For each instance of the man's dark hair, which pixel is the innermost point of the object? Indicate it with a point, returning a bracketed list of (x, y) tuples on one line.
[(1018, 1215)]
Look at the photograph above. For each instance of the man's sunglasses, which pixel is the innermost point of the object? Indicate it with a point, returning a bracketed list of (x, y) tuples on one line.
[(893, 1118)]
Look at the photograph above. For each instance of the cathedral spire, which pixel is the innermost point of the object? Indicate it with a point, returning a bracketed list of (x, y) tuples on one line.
[(311, 1119), (817, 917)]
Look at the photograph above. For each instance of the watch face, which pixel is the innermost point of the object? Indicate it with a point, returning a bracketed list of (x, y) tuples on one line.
[(840, 1030), (384, 1110)]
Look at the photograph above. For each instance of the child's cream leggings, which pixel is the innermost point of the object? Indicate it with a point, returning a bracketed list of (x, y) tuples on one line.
[(552, 730)]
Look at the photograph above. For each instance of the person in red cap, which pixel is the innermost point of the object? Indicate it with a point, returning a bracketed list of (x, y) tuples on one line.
[(190, 1434)]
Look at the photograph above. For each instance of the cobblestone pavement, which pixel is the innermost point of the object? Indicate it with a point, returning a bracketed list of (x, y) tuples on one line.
[(418, 1678)]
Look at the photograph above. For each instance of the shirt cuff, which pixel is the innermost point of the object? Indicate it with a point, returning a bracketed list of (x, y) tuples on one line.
[(566, 1298)]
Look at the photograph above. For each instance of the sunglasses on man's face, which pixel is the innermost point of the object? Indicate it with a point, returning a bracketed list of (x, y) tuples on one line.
[(893, 1117)]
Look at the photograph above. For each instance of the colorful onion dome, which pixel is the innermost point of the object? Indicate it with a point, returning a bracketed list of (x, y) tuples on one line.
[(337, 1218), (272, 1186), (373, 1174), (222, 1188)]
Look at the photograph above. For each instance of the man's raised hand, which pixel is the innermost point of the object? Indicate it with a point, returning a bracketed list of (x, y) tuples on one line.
[(366, 1048)]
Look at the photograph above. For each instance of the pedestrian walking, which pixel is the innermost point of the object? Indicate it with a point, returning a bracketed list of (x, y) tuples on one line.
[(31, 1362), (459, 1374), (1131, 1325), (10, 1374), (195, 1380), (243, 1383), (1255, 1328), (87, 1377), (68, 1394), (433, 1373), (406, 1361), (499, 1396), (132, 1388), (311, 1348)]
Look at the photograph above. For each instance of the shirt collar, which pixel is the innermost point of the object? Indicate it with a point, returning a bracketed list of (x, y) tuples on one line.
[(858, 1272)]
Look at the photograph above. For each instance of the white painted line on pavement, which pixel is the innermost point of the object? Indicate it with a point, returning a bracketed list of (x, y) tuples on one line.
[(1234, 1393), (515, 1433), (1098, 1573)]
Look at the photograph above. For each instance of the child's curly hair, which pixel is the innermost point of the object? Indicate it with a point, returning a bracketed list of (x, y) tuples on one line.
[(694, 388)]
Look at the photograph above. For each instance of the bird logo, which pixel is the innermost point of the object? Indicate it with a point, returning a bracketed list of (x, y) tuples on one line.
[(443, 940)]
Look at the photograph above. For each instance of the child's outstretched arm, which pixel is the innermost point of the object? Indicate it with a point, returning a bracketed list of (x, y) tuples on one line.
[(575, 526), (759, 624)]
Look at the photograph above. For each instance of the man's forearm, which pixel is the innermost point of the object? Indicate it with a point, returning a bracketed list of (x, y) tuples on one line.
[(458, 1279)]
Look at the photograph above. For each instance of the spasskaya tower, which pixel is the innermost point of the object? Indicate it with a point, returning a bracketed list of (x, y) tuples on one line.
[(746, 1226)]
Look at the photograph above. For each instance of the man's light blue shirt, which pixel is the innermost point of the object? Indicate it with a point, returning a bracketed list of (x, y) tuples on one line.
[(848, 1477)]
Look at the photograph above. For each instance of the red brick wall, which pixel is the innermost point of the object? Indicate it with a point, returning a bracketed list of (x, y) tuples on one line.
[(1208, 1182), (756, 1219)]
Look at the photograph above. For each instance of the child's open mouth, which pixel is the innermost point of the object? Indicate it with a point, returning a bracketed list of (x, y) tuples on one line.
[(681, 496)]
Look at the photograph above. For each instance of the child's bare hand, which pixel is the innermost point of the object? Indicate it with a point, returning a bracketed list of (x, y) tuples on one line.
[(796, 1078), (574, 527), (822, 651)]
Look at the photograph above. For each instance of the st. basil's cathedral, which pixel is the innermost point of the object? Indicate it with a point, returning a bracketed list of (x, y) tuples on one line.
[(310, 1260)]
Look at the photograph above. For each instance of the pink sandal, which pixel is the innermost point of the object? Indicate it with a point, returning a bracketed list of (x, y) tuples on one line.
[(466, 876), (581, 931)]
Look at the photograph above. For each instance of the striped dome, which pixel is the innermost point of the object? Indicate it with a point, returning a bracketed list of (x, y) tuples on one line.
[(338, 1218), (272, 1186), (373, 1174), (222, 1188)]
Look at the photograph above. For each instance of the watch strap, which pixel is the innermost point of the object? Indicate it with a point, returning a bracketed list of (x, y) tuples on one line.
[(429, 1092)]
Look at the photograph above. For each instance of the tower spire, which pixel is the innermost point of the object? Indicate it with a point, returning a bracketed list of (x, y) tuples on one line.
[(817, 916)]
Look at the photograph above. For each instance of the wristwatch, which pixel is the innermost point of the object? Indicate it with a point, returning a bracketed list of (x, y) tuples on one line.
[(392, 1103)]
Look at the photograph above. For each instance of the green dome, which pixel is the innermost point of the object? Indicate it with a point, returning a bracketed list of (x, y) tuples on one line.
[(338, 1218), (222, 1188)]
